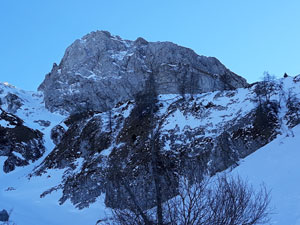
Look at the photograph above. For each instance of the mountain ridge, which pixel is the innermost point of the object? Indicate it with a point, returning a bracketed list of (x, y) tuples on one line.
[(89, 151), (99, 70)]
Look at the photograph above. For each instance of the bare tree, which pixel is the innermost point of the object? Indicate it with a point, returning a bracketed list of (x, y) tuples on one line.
[(147, 106), (233, 201), (265, 88), (293, 105), (222, 201), (151, 89), (190, 205), (187, 80)]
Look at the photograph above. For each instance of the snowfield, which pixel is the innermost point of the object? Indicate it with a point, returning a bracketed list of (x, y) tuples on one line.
[(21, 194), (277, 165)]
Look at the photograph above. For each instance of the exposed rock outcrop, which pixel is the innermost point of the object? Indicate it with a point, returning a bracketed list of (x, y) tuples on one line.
[(109, 152), (100, 70), (19, 143), (12, 101), (57, 133), (4, 216)]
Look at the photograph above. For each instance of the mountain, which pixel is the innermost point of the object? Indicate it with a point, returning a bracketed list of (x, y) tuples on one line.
[(208, 133), (100, 70), (82, 156)]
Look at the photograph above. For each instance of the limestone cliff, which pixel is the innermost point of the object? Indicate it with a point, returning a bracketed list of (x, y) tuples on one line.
[(101, 70)]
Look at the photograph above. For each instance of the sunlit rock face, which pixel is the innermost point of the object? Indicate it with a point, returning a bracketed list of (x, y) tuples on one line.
[(101, 70)]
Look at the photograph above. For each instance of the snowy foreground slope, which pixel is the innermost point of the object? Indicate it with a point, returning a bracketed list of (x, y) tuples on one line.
[(22, 195), (275, 164)]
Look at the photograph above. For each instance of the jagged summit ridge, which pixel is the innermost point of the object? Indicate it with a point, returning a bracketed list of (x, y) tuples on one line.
[(100, 69)]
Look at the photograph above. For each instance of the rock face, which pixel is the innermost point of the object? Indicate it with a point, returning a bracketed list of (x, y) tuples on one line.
[(19, 143), (126, 98), (56, 134), (12, 101), (4, 216), (100, 70), (109, 152)]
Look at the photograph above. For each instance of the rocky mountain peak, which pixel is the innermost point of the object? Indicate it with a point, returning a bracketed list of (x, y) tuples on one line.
[(100, 70)]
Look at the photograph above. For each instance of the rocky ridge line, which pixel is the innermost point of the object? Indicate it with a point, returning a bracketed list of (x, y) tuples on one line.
[(101, 70)]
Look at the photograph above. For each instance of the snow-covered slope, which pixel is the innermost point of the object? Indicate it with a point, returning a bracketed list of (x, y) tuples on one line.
[(277, 165), (30, 107), (22, 196), (200, 124), (18, 192)]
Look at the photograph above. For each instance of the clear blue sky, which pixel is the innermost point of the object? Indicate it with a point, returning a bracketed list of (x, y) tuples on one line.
[(248, 36)]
